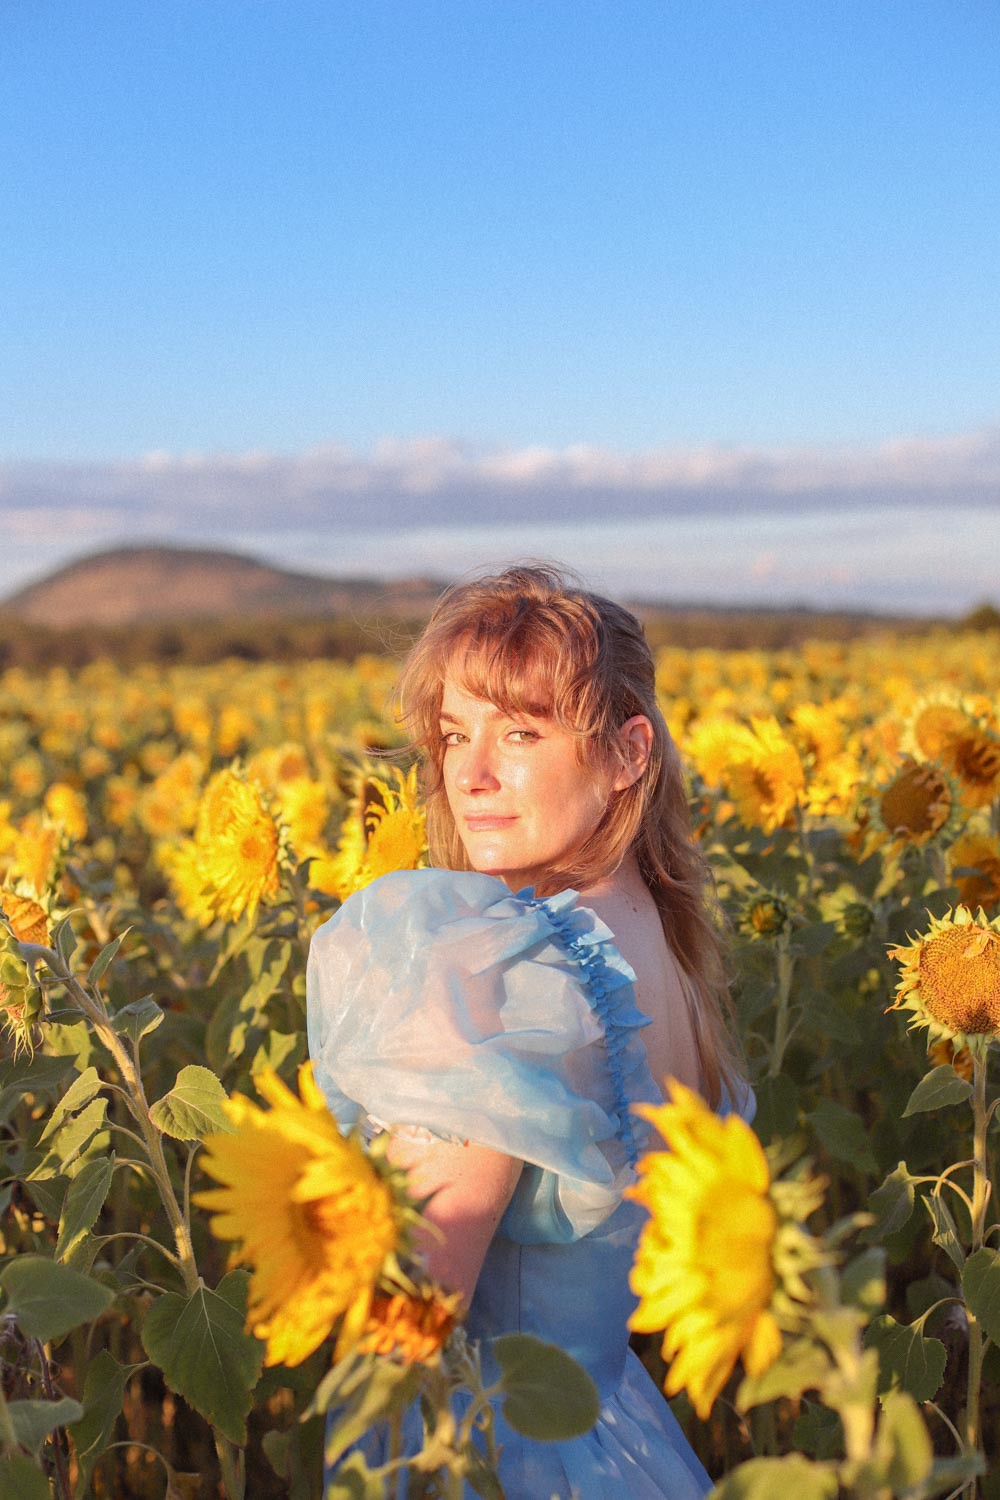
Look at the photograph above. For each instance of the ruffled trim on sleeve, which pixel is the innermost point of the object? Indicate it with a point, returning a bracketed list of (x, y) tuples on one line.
[(610, 984)]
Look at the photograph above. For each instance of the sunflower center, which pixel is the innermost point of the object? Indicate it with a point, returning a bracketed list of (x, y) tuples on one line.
[(915, 802), (735, 1240), (960, 978)]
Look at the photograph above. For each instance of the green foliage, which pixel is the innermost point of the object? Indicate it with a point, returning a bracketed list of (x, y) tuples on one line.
[(547, 1395), (48, 1299), (204, 1353), (194, 1106), (936, 1090), (906, 1359)]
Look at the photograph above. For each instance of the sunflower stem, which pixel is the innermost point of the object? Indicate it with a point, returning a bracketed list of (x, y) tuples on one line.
[(233, 1466), (980, 1199), (785, 968)]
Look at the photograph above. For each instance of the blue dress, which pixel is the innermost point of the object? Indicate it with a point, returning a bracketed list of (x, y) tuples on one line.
[(437, 999)]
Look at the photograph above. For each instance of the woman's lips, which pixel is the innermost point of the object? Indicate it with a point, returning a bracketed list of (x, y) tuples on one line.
[(484, 822)]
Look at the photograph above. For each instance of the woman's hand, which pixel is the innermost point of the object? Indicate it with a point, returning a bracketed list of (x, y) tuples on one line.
[(471, 1187)]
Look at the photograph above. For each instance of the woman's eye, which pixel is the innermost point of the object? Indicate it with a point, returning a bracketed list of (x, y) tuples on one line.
[(524, 736), (450, 737)]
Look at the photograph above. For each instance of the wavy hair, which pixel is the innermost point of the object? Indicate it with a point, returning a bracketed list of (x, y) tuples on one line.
[(528, 642)]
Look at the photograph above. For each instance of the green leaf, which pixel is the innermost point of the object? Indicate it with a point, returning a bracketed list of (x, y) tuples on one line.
[(981, 1286), (79, 1093), (892, 1204), (862, 1282), (801, 1366), (902, 1443), (547, 1395), (204, 1353), (193, 1107), (70, 1140), (20, 1479), (764, 1478), (48, 1299), (34, 1420), (818, 1431), (137, 1019), (906, 1359), (103, 1395), (100, 965), (70, 1039), (936, 1090), (945, 1230), (83, 1202), (843, 1134), (64, 941), (814, 938), (27, 1073), (777, 1108), (278, 1049)]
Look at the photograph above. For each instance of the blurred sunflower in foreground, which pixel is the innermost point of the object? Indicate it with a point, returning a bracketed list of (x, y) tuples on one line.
[(320, 1221), (950, 979), (232, 863), (721, 1261)]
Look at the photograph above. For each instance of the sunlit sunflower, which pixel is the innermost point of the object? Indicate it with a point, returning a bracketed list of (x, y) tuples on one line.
[(169, 805), (232, 863), (22, 920), (315, 1217), (411, 1327), (713, 746), (38, 852), (934, 721), (977, 854), (950, 979), (65, 805), (973, 755), (720, 1262), (767, 781), (385, 829), (917, 804)]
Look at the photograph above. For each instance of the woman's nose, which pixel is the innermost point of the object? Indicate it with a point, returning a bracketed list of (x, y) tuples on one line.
[(475, 771)]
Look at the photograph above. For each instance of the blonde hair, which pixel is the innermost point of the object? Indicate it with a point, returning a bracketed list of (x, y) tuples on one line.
[(527, 642)]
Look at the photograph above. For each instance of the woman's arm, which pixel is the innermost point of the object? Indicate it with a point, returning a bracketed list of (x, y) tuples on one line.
[(471, 1187)]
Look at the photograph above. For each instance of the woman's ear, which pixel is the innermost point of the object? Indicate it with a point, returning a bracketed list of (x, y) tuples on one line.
[(636, 740)]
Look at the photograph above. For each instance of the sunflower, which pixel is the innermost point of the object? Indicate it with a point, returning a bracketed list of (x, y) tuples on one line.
[(22, 920), (385, 829), (973, 755), (979, 854), (38, 852), (65, 805), (719, 1262), (411, 1326), (765, 914), (933, 723), (919, 803), (767, 781), (714, 745), (232, 863), (950, 979), (316, 1218)]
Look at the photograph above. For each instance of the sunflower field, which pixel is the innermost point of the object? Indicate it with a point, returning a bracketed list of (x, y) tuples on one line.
[(190, 1279)]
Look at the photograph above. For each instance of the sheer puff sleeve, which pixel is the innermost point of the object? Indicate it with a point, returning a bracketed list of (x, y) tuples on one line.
[(439, 1000)]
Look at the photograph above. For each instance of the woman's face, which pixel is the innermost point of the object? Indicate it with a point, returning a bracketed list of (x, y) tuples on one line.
[(522, 800)]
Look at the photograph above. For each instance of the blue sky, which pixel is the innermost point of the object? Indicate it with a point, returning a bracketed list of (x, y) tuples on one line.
[(681, 239)]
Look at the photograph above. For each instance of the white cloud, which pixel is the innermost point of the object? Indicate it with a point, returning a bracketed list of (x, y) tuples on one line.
[(436, 480)]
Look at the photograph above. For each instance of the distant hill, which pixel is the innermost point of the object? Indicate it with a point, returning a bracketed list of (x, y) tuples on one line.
[(156, 584), (195, 605)]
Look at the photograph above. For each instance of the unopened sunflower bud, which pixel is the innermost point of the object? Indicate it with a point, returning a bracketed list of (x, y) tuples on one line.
[(858, 919), (765, 916)]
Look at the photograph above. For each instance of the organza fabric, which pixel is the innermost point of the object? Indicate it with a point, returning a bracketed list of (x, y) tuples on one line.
[(438, 1000)]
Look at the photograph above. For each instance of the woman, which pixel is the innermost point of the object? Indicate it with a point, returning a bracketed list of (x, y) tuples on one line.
[(501, 1015)]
